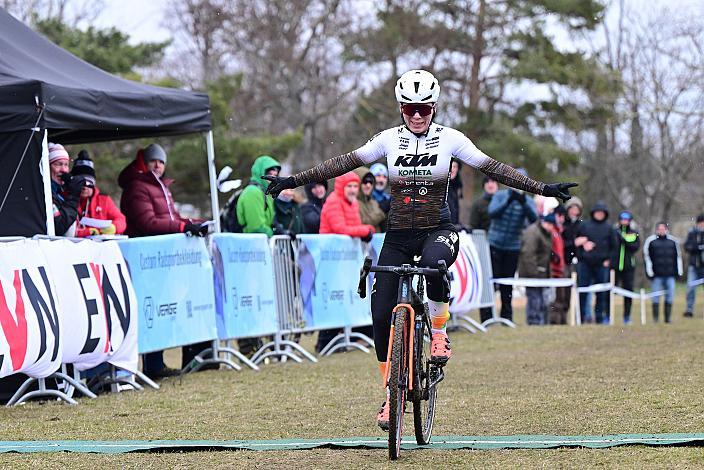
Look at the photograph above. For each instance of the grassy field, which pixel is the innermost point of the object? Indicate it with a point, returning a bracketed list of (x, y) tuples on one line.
[(537, 380)]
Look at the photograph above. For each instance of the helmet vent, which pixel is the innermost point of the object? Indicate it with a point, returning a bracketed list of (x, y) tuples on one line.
[(432, 86), (427, 98), (417, 85)]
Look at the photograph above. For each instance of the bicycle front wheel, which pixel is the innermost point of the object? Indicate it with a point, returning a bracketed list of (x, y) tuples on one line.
[(398, 382), (424, 395)]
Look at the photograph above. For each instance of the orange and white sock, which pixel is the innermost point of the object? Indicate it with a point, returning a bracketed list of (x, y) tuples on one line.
[(439, 314)]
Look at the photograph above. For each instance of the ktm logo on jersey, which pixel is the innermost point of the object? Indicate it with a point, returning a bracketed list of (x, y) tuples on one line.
[(423, 159)]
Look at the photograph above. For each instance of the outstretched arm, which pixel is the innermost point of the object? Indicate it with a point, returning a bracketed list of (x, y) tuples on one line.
[(471, 155), (331, 168)]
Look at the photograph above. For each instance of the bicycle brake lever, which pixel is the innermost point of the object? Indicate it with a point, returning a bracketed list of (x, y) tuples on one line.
[(362, 287)]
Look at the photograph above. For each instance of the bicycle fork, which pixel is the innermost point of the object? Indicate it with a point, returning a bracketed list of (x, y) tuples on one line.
[(408, 357)]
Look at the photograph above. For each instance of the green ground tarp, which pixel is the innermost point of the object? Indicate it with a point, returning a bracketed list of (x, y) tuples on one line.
[(439, 442)]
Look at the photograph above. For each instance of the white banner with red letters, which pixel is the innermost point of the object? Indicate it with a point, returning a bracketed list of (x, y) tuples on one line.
[(97, 301), (65, 302), (30, 313)]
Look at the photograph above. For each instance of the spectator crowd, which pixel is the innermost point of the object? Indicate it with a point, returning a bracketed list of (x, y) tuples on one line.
[(533, 237)]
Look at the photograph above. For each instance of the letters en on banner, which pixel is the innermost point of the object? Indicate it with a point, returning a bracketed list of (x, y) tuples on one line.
[(30, 324), (173, 281), (97, 303), (245, 299), (330, 267)]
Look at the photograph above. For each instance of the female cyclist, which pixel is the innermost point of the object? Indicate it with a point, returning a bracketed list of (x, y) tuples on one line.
[(418, 155)]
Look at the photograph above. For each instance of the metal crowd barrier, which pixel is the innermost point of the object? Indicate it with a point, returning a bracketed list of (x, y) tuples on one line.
[(284, 256)]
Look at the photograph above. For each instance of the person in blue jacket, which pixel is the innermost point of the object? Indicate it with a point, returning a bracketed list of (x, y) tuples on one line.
[(510, 212)]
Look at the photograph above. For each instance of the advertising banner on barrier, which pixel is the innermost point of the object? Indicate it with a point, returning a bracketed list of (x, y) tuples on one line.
[(30, 325), (466, 272), (245, 300), (173, 282), (330, 267), (96, 303)]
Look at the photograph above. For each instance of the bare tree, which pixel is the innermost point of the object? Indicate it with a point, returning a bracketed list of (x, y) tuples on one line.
[(649, 157)]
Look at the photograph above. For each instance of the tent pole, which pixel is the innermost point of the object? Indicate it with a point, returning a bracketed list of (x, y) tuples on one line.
[(213, 183), (46, 179)]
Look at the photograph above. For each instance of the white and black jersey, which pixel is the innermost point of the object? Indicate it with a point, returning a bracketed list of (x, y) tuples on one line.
[(419, 171)]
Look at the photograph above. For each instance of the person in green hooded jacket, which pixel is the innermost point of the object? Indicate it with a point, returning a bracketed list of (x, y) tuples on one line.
[(255, 210)]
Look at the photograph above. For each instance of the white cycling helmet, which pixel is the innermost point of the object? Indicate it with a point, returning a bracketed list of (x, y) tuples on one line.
[(417, 86)]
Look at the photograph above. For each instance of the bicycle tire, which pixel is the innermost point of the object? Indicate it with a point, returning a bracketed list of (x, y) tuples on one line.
[(424, 397), (398, 383)]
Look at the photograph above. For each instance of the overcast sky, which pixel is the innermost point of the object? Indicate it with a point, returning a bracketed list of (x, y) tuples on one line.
[(144, 20)]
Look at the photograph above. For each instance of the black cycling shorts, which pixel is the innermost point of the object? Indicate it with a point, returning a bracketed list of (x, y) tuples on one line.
[(400, 247)]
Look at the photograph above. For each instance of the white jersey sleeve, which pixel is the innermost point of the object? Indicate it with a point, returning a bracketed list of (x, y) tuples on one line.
[(376, 147), (466, 151)]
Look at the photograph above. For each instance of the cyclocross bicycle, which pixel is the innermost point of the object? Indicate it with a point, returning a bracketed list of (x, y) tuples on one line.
[(410, 375)]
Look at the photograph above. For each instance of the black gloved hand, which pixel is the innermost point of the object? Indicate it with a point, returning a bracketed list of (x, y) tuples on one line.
[(72, 184), (278, 184), (195, 230), (559, 190), (368, 237)]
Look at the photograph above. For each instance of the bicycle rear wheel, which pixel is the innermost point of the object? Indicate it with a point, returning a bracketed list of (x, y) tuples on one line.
[(424, 396), (398, 382)]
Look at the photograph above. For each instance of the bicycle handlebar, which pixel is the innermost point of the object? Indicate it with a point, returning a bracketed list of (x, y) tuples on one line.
[(407, 270), (403, 270)]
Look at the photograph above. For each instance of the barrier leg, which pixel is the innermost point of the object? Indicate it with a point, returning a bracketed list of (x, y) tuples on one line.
[(241, 357), (612, 297), (41, 393), (575, 300), (642, 306), (202, 359), (75, 384), (497, 319), (467, 323), (20, 391), (344, 340), (111, 378), (278, 351), (141, 376)]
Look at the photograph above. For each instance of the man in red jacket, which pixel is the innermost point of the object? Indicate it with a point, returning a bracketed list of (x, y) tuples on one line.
[(341, 210), (93, 204)]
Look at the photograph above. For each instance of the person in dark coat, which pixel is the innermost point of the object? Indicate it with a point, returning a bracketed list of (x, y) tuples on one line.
[(479, 213), (695, 270), (316, 193), (454, 193), (534, 262), (369, 209), (479, 220), (287, 214), (625, 263), (65, 191), (149, 209), (663, 262), (596, 246)]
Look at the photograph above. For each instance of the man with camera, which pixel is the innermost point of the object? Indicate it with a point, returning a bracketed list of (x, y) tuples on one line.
[(65, 190)]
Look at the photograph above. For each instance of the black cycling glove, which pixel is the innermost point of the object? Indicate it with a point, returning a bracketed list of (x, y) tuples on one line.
[(278, 184), (195, 230), (559, 190)]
